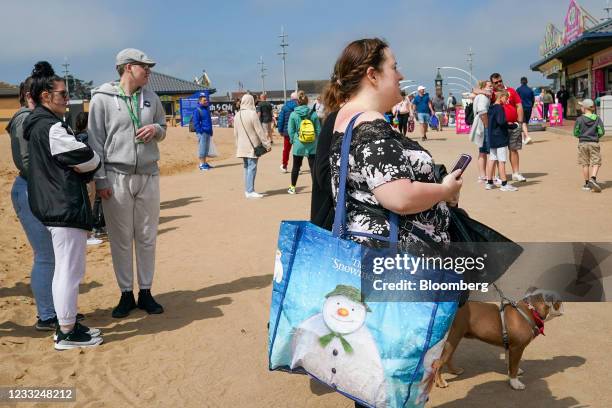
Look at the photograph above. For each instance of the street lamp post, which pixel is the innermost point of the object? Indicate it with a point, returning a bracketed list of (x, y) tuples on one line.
[(262, 70), (283, 54)]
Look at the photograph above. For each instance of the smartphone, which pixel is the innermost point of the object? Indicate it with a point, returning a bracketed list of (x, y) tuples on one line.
[(462, 163)]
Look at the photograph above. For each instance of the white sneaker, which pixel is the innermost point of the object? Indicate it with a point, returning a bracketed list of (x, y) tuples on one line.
[(527, 140), (283, 169), (518, 177), (482, 179), (508, 187), (497, 181), (253, 195), (489, 186), (94, 241)]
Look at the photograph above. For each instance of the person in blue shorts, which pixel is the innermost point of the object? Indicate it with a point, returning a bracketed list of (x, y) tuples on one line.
[(423, 108)]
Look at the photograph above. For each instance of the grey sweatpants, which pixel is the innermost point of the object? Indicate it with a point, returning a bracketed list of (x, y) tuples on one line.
[(132, 216)]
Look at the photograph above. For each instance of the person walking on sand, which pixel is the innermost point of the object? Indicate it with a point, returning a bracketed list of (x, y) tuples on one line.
[(304, 129), (249, 133), (424, 109), (126, 122), (589, 128)]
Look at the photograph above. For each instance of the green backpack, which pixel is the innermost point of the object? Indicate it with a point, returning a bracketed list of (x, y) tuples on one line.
[(307, 134)]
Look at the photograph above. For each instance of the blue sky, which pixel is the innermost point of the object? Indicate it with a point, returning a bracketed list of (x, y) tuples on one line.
[(227, 38)]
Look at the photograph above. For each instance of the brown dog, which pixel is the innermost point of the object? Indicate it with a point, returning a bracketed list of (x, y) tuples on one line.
[(483, 321)]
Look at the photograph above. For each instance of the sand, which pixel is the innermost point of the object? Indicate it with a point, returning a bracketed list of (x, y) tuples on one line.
[(214, 267)]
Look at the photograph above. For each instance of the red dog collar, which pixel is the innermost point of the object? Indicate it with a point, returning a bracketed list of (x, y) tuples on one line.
[(538, 320)]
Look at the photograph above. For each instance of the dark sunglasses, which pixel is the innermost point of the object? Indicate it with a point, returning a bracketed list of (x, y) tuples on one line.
[(63, 94), (499, 81)]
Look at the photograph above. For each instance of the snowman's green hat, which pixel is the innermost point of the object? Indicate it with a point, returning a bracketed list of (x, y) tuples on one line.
[(349, 292)]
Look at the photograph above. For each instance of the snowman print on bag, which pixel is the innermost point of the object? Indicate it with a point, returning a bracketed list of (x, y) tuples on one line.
[(336, 347)]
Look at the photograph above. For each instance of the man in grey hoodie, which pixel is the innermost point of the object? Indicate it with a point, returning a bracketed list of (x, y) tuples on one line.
[(126, 122)]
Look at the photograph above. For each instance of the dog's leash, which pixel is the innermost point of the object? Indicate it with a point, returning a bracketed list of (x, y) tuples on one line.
[(505, 301)]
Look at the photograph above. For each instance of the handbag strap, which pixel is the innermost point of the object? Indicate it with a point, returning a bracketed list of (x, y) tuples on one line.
[(339, 227), (245, 131)]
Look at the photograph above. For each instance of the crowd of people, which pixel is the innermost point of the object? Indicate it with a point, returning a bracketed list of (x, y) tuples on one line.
[(115, 147)]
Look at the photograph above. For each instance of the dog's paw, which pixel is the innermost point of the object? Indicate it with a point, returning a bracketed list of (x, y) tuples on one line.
[(441, 383), (520, 371), (516, 384)]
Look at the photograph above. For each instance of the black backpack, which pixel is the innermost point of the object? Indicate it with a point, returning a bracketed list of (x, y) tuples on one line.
[(469, 114)]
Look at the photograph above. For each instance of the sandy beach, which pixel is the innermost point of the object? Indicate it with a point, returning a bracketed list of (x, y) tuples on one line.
[(215, 256)]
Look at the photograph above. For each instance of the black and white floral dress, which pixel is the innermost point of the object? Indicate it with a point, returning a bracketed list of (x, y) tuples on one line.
[(378, 155)]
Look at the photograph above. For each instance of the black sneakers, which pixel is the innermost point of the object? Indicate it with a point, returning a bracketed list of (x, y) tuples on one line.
[(79, 336), (93, 332), (595, 187), (147, 303), (51, 324), (126, 304)]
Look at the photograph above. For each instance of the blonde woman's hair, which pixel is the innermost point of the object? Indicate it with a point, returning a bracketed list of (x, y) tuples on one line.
[(499, 94)]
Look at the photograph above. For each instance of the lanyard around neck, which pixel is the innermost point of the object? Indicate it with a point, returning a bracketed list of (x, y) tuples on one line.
[(133, 107)]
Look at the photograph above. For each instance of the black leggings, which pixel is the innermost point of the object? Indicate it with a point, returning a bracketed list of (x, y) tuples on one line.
[(403, 122), (297, 164)]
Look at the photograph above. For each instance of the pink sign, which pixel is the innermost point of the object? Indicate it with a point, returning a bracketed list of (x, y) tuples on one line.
[(555, 114), (573, 23), (461, 126), (598, 82)]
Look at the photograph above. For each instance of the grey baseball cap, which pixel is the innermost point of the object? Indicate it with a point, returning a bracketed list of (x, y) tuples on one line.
[(132, 55), (587, 103)]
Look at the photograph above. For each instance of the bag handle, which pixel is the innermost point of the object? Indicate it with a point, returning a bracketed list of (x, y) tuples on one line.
[(339, 227)]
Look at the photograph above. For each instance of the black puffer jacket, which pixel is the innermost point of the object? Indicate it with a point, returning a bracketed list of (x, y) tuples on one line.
[(60, 167)]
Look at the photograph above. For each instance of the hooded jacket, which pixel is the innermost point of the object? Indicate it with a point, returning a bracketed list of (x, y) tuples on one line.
[(589, 128), (295, 119), (283, 117), (60, 167), (19, 146), (202, 122), (248, 130), (112, 133)]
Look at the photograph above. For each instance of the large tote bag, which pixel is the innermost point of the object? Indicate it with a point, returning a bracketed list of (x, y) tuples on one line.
[(377, 353)]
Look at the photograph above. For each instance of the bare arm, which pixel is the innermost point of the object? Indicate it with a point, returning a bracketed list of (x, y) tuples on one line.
[(485, 119), (520, 113), (411, 197)]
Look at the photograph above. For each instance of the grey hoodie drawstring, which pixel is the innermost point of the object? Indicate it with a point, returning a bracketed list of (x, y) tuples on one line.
[(117, 102)]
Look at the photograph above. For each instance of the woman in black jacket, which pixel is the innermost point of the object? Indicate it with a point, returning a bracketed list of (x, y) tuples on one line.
[(60, 167)]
